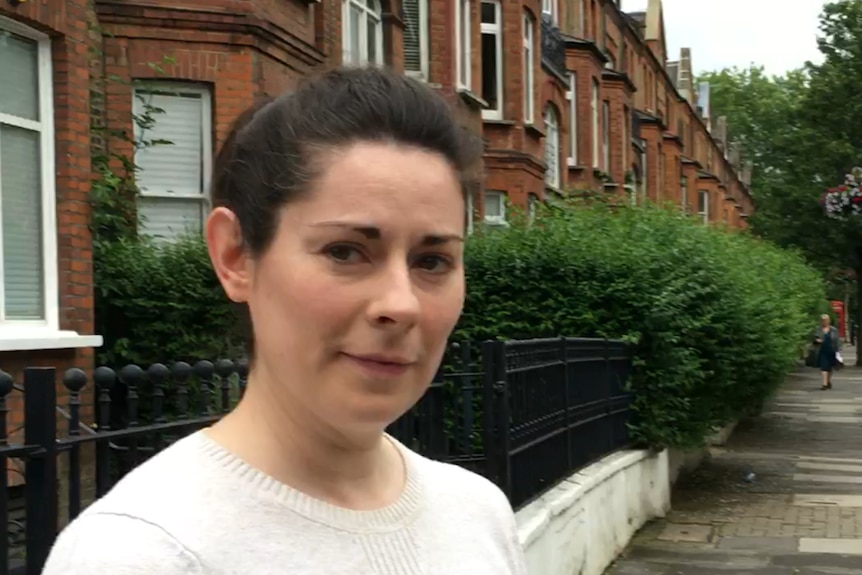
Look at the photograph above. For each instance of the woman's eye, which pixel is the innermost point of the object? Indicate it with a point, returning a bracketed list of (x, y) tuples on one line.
[(434, 263), (343, 253)]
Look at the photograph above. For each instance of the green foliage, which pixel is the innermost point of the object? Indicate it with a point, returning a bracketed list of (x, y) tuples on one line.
[(160, 303), (801, 130), (715, 318)]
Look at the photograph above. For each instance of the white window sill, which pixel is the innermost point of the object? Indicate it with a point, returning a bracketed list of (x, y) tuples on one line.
[(32, 340)]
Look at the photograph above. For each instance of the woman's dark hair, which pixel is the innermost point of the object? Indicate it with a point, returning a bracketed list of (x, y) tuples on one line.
[(274, 150), (277, 147)]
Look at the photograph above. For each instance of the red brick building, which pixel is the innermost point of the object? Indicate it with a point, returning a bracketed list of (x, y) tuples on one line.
[(568, 94)]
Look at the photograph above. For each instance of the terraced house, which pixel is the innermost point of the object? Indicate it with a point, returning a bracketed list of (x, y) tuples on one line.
[(568, 94)]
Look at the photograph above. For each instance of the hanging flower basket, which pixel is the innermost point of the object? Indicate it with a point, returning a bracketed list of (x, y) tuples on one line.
[(845, 200)]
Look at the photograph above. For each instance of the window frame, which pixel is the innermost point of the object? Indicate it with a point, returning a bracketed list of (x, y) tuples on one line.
[(704, 214), (683, 193), (594, 112), (532, 206), (606, 136), (549, 7), (501, 198), (424, 47), (528, 38), (463, 68), (553, 177), (18, 329), (497, 30), (369, 8), (168, 88), (572, 97)]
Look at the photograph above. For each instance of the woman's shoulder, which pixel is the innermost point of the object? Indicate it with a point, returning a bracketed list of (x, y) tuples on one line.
[(447, 483), (103, 542)]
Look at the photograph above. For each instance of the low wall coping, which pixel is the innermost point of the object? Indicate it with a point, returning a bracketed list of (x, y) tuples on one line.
[(534, 519)]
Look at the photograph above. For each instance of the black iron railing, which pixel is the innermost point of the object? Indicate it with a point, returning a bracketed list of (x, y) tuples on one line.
[(525, 414)]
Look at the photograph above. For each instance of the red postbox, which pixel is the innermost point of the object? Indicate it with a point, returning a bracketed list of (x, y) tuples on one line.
[(840, 313)]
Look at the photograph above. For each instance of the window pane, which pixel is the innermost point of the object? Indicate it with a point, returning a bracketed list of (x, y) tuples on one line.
[(489, 13), (489, 69), (493, 205), (19, 60), (21, 206), (168, 218), (412, 35), (175, 167), (355, 36), (372, 39), (464, 32), (552, 148)]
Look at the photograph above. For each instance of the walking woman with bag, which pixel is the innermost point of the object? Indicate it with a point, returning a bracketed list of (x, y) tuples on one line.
[(827, 350)]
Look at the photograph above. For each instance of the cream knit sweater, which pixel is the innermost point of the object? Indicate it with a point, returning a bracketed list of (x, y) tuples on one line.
[(197, 509)]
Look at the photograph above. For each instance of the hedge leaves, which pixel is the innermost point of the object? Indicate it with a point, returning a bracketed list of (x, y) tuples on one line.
[(716, 318)]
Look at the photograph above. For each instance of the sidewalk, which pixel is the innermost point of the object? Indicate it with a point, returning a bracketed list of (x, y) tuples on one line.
[(800, 513)]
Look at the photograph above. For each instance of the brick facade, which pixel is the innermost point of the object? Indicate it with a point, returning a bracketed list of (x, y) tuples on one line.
[(241, 50)]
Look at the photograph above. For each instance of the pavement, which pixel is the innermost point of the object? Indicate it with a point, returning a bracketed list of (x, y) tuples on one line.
[(783, 497)]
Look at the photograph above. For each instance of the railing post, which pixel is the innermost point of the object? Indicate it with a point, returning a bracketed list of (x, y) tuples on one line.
[(489, 421), (564, 358), (503, 417), (40, 429), (608, 423), (7, 384)]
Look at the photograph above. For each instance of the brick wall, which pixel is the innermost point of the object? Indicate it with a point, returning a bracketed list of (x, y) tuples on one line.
[(67, 22)]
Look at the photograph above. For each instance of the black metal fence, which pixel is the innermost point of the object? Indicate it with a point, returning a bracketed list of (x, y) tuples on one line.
[(525, 414)]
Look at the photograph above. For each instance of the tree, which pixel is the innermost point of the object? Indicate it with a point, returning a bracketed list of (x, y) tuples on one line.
[(802, 133), (763, 115)]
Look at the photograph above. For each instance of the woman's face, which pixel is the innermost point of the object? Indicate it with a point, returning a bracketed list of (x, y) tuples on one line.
[(824, 321), (353, 302)]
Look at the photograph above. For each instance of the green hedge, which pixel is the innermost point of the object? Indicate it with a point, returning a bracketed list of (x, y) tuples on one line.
[(161, 302), (716, 318)]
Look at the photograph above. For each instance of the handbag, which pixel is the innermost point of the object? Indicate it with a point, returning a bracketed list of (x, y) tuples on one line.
[(811, 356), (839, 360)]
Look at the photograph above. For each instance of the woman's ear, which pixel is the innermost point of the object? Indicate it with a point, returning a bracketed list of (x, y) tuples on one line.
[(227, 252)]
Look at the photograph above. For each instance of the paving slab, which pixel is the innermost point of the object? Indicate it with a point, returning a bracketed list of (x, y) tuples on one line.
[(836, 546), (825, 561), (824, 478), (782, 497), (849, 501), (691, 533), (822, 466), (781, 544)]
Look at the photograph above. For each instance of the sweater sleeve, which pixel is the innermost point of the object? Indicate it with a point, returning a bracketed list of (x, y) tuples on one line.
[(517, 560), (116, 544)]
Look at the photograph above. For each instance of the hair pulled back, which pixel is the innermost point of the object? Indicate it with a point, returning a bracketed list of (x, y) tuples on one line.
[(275, 148)]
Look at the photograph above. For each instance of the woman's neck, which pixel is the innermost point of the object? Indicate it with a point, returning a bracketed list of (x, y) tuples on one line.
[(272, 434)]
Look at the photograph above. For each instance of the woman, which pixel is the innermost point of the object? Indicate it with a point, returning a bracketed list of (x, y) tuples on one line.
[(828, 345), (339, 220)]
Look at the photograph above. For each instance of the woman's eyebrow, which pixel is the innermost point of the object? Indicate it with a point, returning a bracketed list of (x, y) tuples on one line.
[(374, 233)]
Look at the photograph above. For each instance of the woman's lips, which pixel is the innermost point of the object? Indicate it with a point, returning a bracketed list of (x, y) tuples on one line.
[(380, 365)]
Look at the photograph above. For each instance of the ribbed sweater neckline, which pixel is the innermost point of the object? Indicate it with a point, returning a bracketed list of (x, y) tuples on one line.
[(391, 517)]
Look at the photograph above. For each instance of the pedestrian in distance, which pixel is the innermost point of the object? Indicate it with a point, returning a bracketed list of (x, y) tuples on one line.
[(827, 350)]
